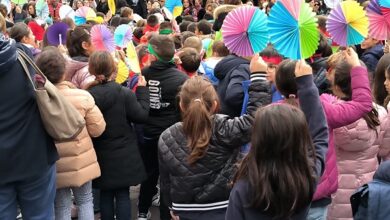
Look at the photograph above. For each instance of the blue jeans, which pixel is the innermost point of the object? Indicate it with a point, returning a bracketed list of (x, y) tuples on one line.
[(35, 197), (318, 213), (121, 208), (83, 199)]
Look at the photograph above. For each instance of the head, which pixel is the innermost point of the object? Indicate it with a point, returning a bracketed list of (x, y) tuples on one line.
[(156, 4), (21, 33), (127, 12), (141, 23), (194, 42), (331, 65), (53, 64), (137, 35), (188, 18), (203, 27), (387, 85), (187, 4), (211, 7), (162, 3), (343, 90), (124, 20), (219, 49), (190, 60), (379, 90), (322, 22), (285, 81), (192, 27), (79, 4), (166, 28), (185, 35), (324, 49), (163, 48), (369, 43), (78, 41), (31, 8), (279, 161), (232, 2), (69, 22), (143, 55), (198, 102), (115, 21), (183, 26), (101, 65), (273, 59), (152, 20)]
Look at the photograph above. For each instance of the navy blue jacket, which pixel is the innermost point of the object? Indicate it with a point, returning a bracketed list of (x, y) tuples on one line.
[(310, 104), (26, 150), (371, 57), (231, 72)]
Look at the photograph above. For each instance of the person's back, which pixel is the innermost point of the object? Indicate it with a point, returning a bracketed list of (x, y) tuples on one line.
[(27, 153)]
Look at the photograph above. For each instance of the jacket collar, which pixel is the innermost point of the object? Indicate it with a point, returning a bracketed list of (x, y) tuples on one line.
[(159, 65)]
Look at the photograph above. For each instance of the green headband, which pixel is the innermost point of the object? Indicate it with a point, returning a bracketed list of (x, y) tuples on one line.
[(151, 51), (166, 31)]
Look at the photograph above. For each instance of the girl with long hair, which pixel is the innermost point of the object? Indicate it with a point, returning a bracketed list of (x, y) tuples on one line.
[(277, 179), (198, 155)]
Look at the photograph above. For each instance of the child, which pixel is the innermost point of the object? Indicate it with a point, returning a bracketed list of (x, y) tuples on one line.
[(190, 61), (277, 179), (203, 27), (78, 165), (127, 12), (208, 145), (219, 51), (373, 51), (152, 24), (166, 28), (337, 115), (164, 81), (117, 150)]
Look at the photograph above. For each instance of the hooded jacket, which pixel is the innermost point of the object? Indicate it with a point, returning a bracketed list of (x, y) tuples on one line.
[(26, 150), (231, 72), (77, 72), (371, 57)]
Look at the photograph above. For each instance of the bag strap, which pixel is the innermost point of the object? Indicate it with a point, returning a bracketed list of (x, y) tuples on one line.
[(23, 57), (26, 70)]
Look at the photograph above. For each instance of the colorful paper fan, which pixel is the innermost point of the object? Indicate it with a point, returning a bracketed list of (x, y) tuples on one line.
[(244, 31), (123, 35), (384, 3), (112, 6), (102, 38), (79, 20), (56, 34), (347, 23), (175, 7), (123, 72), (133, 58), (42, 9), (20, 2), (379, 27), (37, 30), (85, 12), (66, 12), (332, 3), (293, 30)]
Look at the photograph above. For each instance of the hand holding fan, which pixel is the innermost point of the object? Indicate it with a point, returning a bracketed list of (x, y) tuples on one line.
[(379, 26), (293, 29), (347, 23), (102, 38), (244, 31), (112, 6), (133, 58)]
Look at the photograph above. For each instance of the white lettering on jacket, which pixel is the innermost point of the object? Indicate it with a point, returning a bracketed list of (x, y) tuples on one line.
[(155, 95)]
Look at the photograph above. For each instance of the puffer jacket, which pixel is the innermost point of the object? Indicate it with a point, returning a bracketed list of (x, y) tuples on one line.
[(339, 115), (207, 181), (357, 148), (78, 163), (77, 72)]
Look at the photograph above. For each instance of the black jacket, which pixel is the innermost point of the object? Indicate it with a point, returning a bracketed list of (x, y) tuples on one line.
[(164, 82), (310, 104), (231, 72), (26, 150), (206, 182), (116, 149)]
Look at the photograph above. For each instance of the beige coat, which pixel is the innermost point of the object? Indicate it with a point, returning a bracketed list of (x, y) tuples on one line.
[(78, 163)]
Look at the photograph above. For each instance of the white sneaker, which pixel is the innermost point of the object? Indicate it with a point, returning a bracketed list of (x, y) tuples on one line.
[(143, 216), (156, 200)]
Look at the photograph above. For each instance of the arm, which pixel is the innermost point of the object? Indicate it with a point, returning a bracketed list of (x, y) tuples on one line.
[(137, 107), (235, 209), (237, 131), (94, 119), (342, 114), (310, 104), (234, 91)]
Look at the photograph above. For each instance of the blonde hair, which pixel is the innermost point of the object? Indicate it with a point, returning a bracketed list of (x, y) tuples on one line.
[(3, 27)]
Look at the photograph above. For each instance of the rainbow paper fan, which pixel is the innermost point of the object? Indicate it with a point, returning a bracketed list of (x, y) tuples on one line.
[(175, 7), (293, 29), (83, 14), (379, 27), (102, 38), (244, 31), (348, 24), (123, 35)]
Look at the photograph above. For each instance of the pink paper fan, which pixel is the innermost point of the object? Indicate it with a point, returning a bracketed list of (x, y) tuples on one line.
[(102, 38), (379, 26), (85, 12), (293, 6)]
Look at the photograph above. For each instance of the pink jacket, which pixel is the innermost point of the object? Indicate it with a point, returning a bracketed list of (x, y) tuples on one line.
[(77, 73), (357, 147), (339, 115)]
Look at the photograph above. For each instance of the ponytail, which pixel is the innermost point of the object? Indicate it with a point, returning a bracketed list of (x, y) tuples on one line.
[(292, 100)]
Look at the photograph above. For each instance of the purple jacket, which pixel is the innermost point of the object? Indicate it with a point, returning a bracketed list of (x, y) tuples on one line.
[(339, 115)]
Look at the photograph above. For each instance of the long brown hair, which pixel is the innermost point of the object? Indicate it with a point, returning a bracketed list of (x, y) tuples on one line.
[(379, 89), (342, 79), (197, 102), (280, 164), (102, 66)]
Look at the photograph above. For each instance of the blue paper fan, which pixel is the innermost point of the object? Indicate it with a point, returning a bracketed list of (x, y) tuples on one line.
[(384, 3), (123, 35), (258, 31)]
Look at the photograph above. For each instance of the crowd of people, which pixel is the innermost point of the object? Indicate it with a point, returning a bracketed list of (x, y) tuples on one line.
[(207, 134)]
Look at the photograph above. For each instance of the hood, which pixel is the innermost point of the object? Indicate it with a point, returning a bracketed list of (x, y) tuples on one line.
[(383, 172), (227, 64), (73, 65), (8, 55), (376, 51)]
